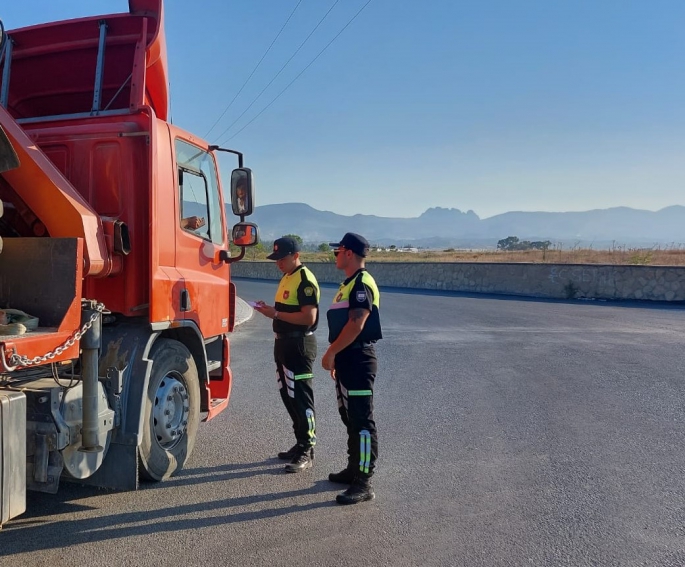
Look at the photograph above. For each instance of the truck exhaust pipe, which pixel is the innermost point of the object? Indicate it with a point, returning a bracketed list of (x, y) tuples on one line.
[(90, 348)]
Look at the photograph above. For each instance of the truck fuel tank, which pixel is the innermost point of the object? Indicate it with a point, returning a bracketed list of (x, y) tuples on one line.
[(12, 454)]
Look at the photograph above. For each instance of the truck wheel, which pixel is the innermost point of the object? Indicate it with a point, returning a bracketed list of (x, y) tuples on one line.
[(172, 411)]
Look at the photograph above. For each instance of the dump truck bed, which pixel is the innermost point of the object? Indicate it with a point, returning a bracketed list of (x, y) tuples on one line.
[(29, 267)]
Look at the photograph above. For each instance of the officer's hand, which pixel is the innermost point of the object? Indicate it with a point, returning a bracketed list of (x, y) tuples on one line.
[(328, 362), (265, 309)]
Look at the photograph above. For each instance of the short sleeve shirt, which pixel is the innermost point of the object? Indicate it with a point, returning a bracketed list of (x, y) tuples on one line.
[(294, 291)]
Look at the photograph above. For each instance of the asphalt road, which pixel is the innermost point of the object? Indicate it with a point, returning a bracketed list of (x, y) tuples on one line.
[(512, 432)]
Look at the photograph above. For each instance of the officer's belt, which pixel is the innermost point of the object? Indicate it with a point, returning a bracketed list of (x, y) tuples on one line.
[(361, 344), (293, 334)]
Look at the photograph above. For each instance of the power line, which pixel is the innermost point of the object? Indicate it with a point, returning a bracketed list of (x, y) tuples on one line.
[(300, 73), (281, 69), (255, 69)]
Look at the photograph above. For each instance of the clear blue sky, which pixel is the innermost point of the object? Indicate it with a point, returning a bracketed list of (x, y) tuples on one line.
[(489, 105)]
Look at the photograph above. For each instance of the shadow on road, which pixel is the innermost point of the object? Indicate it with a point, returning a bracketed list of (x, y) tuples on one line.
[(25, 534), (224, 472)]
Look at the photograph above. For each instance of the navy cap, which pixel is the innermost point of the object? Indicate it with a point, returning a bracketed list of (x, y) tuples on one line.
[(283, 247), (355, 242)]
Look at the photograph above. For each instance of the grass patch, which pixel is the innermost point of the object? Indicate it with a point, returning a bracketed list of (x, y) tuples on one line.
[(617, 255)]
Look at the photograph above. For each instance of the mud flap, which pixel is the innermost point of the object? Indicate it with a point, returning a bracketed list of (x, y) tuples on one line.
[(8, 157), (119, 471)]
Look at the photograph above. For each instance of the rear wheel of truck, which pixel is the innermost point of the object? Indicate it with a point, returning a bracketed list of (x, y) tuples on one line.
[(172, 411)]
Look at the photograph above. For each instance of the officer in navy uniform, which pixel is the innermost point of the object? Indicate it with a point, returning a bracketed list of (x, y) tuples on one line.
[(296, 316), (353, 327)]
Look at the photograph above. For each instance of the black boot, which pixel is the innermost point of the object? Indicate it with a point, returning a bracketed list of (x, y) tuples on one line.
[(302, 461), (345, 476), (289, 455), (359, 491)]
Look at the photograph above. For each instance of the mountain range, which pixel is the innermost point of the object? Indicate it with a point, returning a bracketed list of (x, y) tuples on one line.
[(441, 227)]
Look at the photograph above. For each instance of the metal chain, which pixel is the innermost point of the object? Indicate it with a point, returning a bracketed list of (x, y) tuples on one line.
[(20, 360)]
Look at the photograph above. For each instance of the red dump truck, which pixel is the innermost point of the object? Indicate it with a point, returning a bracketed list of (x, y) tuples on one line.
[(116, 300)]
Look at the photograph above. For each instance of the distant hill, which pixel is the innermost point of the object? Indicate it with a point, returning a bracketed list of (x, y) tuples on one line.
[(440, 227)]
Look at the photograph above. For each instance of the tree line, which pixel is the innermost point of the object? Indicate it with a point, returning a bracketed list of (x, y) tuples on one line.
[(513, 243)]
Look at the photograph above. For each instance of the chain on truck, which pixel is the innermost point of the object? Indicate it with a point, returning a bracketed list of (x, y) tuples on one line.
[(116, 301)]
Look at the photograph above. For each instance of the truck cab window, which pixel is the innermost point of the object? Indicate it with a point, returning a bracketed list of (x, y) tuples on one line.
[(193, 199), (199, 197)]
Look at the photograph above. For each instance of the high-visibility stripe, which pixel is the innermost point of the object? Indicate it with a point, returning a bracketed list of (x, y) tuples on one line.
[(342, 398), (303, 376), (364, 451), (359, 392), (289, 380), (312, 426)]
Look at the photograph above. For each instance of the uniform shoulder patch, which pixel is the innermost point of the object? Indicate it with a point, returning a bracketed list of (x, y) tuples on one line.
[(309, 291), (361, 296)]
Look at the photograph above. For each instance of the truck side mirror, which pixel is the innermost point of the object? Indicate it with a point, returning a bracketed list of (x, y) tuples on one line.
[(242, 192), (245, 234)]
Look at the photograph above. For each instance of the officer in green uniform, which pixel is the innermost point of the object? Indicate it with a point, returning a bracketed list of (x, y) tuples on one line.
[(296, 316), (353, 328)]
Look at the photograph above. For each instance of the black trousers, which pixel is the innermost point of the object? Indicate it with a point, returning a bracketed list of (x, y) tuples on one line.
[(294, 358), (355, 372)]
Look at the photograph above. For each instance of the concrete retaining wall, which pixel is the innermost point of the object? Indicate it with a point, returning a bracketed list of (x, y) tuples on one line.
[(561, 281)]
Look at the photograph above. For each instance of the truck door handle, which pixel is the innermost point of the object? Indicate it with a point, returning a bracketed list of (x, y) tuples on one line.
[(185, 300)]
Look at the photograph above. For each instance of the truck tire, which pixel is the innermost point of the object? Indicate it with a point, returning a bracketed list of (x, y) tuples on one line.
[(172, 411)]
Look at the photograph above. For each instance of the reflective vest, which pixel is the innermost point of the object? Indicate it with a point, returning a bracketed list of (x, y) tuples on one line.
[(338, 313), (294, 290)]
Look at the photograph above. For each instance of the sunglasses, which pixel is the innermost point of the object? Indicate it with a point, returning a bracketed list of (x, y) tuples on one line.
[(338, 251)]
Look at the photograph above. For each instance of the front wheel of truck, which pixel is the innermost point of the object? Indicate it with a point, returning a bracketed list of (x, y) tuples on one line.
[(172, 411)]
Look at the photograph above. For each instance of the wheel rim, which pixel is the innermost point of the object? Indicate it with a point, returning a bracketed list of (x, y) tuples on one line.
[(171, 411)]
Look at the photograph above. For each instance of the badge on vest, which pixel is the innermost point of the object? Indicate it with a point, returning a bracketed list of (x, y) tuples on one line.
[(286, 294), (361, 296)]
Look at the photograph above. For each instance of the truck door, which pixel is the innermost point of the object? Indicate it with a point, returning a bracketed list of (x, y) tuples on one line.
[(201, 235)]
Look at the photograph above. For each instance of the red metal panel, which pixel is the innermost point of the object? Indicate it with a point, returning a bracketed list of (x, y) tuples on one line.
[(206, 278), (37, 344), (52, 198), (107, 160), (145, 7), (53, 64), (219, 391), (165, 282)]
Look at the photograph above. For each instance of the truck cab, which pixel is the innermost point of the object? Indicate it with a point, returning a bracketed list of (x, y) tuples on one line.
[(116, 236)]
